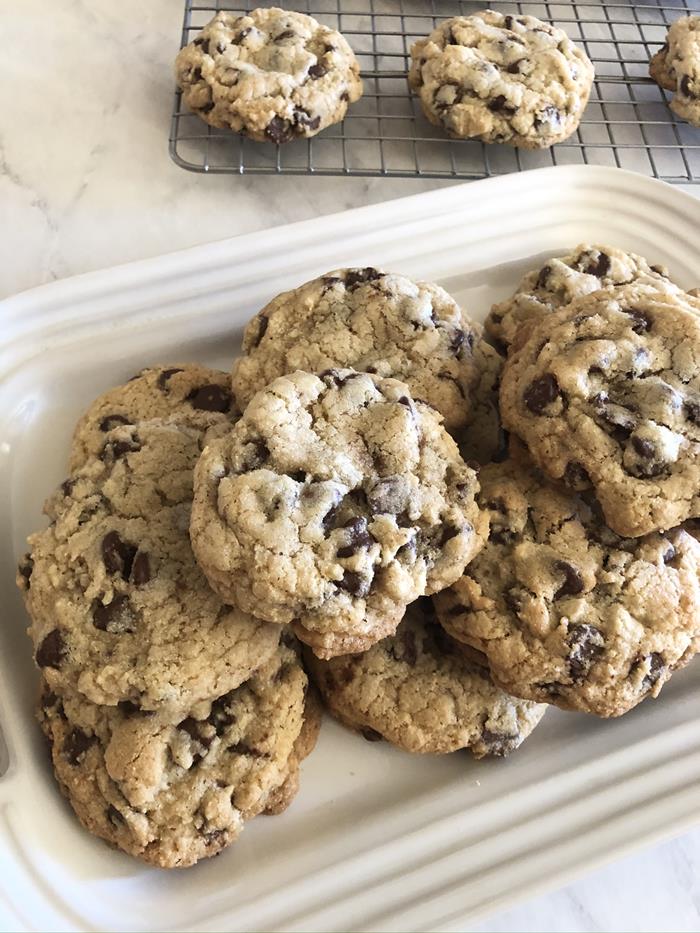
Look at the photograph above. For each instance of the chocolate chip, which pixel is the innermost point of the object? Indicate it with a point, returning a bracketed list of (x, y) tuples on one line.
[(692, 410), (586, 643), (317, 71), (164, 377), (548, 116), (448, 532), (371, 735), (500, 105), (356, 277), (52, 650), (328, 520), (303, 118), (193, 727), (25, 570), (196, 75), (67, 486), (287, 34), (544, 274), (221, 47), (405, 400), (598, 267), (642, 323), (210, 397), (141, 569), (128, 708), (279, 130), (359, 537), (514, 67), (241, 35), (116, 617), (345, 97), (113, 421), (573, 581), (643, 447), (220, 715), (240, 748), (657, 667), (541, 392), (206, 108), (118, 555), (75, 744), (114, 816), (352, 583), (498, 743), (458, 337)]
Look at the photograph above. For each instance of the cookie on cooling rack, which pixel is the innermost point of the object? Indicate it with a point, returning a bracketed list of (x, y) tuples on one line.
[(561, 279), (272, 75), (421, 692), (566, 611), (676, 67), (502, 79)]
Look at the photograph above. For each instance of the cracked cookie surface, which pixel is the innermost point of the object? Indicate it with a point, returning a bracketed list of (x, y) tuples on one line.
[(606, 393), (119, 608), (273, 75), (676, 67), (501, 78), (370, 321), (417, 690), (187, 394), (174, 793), (334, 502), (566, 611), (562, 279)]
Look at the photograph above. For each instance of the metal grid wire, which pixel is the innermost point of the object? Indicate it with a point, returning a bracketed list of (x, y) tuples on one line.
[(627, 123)]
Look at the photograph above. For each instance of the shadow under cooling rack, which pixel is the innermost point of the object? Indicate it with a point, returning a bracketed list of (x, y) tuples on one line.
[(627, 123)]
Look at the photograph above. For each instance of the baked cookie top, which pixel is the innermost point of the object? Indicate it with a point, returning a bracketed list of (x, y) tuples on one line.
[(418, 690), (676, 67), (501, 78), (272, 74), (186, 393), (566, 611), (371, 321), (119, 609), (334, 502), (560, 280), (606, 392), (174, 793)]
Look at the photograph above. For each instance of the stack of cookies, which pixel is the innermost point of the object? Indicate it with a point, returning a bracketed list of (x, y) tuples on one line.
[(445, 531), (172, 716)]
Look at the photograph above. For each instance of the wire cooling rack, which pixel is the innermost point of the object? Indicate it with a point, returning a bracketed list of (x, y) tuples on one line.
[(627, 123)]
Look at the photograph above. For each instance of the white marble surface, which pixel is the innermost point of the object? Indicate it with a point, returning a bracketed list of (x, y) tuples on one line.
[(86, 182)]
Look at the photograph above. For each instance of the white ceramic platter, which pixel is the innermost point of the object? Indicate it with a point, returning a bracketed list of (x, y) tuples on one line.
[(376, 839)]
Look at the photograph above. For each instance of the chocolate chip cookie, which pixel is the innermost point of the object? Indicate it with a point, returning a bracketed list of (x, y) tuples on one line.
[(334, 502), (566, 611), (371, 321), (119, 608), (272, 75), (187, 393), (606, 393), (562, 279), (676, 67), (173, 793), (417, 690), (502, 79)]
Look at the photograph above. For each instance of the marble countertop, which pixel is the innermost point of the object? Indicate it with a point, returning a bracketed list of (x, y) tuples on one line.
[(86, 182)]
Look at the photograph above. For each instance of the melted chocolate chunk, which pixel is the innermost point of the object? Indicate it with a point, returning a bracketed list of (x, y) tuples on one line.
[(357, 277), (371, 735), (75, 744), (317, 71), (573, 581), (359, 537), (641, 322), (586, 644), (116, 617), (279, 130), (25, 570), (164, 377), (541, 392), (352, 583), (112, 421), (210, 398), (52, 650), (118, 555), (141, 569)]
